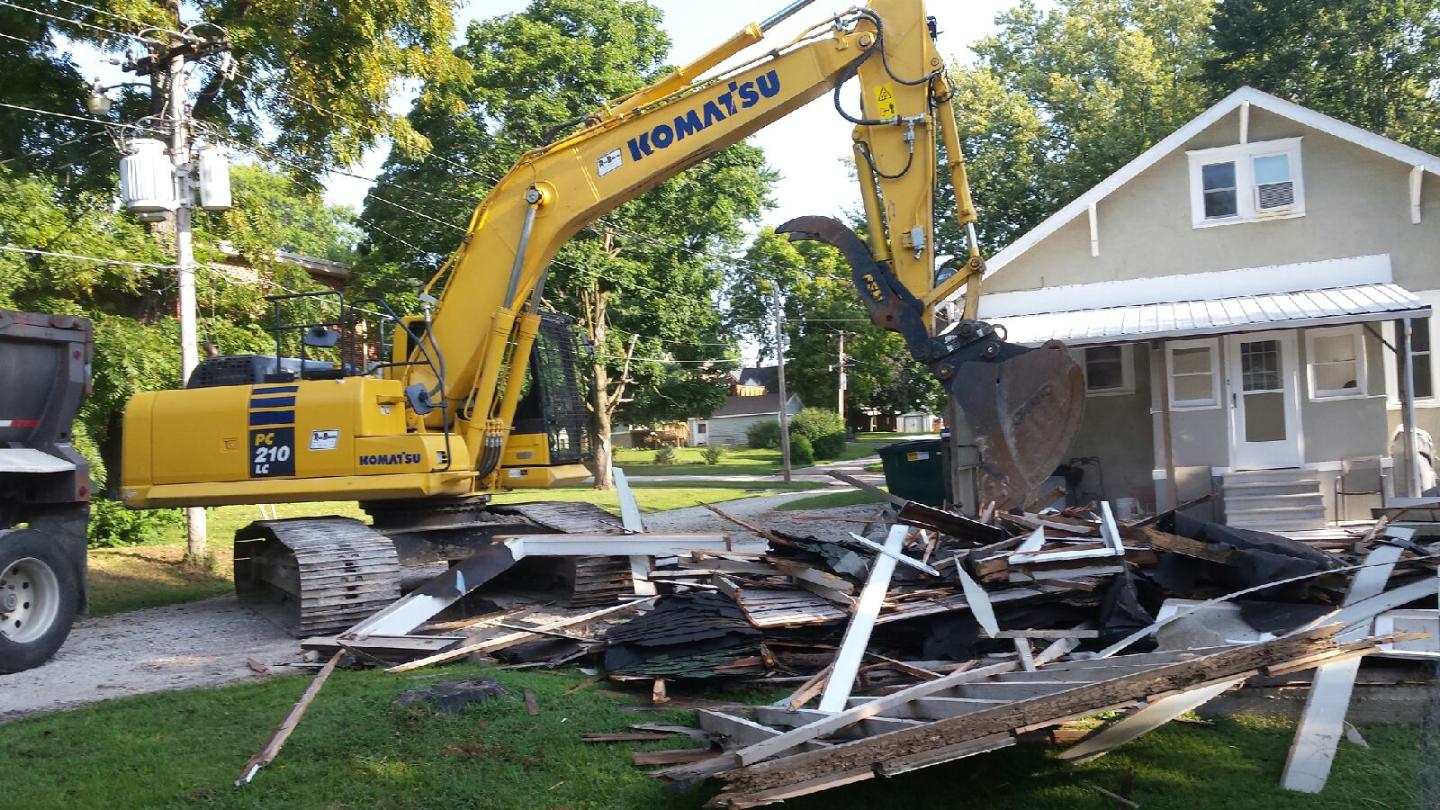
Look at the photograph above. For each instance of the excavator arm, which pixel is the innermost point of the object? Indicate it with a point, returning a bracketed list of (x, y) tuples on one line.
[(1022, 405)]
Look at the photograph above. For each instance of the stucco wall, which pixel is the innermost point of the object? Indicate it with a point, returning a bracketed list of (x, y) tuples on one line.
[(1114, 429), (1357, 203)]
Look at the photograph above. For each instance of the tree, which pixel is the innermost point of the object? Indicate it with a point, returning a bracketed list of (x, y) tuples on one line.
[(131, 300), (820, 301), (1058, 100), (313, 80), (643, 280), (1373, 64)]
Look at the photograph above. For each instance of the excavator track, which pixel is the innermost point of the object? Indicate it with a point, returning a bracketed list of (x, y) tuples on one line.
[(314, 576)]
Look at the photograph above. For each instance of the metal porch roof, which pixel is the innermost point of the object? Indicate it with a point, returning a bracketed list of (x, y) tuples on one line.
[(1217, 316)]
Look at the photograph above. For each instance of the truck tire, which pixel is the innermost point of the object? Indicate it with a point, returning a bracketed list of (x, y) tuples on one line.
[(39, 597)]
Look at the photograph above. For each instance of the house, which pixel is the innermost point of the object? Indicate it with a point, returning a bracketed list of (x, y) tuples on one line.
[(875, 420), (754, 397), (1239, 297)]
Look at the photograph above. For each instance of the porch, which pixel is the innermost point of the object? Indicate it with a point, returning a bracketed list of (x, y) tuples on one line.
[(1266, 399)]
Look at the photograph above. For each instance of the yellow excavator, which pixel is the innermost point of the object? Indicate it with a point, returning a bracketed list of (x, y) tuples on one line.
[(481, 392)]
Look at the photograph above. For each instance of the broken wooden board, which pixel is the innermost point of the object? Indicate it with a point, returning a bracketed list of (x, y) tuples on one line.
[(945, 725)]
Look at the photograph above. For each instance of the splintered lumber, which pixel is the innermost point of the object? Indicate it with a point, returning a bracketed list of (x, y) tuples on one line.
[(1155, 714), (271, 749), (1322, 723), (675, 757), (744, 784), (512, 639), (870, 488), (857, 633), (1199, 549), (957, 526), (810, 688)]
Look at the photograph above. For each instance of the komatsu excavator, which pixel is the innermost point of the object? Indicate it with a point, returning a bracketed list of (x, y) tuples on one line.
[(421, 439)]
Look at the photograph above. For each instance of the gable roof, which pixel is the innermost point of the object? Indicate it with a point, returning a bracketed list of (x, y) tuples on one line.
[(767, 377), (1177, 139)]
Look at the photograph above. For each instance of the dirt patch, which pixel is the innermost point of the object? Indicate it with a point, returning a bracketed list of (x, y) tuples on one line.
[(183, 646)]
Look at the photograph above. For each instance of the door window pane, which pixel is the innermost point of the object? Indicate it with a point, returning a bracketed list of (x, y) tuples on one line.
[(1218, 182), (1260, 366), (1265, 417)]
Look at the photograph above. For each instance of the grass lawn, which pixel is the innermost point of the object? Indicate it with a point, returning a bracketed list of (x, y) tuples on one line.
[(354, 749), (741, 460), (833, 500), (153, 575)]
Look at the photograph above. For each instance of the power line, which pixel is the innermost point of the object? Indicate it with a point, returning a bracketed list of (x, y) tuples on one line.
[(77, 256), (39, 152), (143, 25), (38, 13), (86, 119)]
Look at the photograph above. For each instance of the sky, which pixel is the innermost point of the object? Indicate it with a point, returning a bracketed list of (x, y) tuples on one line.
[(809, 148)]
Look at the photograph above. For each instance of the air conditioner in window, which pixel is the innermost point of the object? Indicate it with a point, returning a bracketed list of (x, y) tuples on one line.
[(1274, 198)]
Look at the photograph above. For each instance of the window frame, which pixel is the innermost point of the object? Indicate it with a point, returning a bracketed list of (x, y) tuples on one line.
[(1362, 384), (1243, 155), (1127, 370), (1212, 345)]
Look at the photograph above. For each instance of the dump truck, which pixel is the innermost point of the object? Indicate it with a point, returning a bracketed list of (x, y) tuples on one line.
[(44, 483)]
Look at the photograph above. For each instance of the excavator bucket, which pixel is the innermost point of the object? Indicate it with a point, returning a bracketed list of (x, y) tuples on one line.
[(1022, 413), (1022, 405)]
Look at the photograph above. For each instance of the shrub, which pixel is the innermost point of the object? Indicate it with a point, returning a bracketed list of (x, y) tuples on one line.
[(831, 445), (713, 455), (112, 525), (816, 423), (802, 453), (665, 455), (764, 435)]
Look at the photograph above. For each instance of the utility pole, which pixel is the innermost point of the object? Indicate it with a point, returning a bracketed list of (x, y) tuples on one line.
[(185, 266), (784, 398), (840, 400), (173, 62)]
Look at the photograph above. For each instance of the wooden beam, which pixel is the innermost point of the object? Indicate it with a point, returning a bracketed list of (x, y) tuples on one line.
[(862, 622), (271, 749), (1417, 179), (1155, 714), (1322, 723), (869, 487), (828, 725), (512, 639)]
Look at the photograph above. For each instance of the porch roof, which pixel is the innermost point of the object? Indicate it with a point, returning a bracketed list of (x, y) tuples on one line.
[(1331, 306)]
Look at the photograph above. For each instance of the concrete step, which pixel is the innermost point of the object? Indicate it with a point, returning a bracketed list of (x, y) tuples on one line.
[(1241, 502), (1284, 526), (1269, 475)]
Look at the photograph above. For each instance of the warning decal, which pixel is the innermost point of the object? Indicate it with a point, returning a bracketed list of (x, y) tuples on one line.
[(885, 101)]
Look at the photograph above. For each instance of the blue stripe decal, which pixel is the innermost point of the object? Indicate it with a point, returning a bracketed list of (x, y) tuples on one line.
[(273, 402), (272, 418), (283, 389)]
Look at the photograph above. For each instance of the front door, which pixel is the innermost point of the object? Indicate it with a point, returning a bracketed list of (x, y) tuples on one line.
[(1264, 390)]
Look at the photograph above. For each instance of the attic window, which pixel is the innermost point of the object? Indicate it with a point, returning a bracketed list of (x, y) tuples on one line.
[(1246, 182)]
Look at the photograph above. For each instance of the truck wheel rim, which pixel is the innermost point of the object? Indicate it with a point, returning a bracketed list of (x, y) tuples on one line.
[(29, 600)]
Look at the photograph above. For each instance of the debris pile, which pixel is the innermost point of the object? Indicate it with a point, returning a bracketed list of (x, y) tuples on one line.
[(925, 636)]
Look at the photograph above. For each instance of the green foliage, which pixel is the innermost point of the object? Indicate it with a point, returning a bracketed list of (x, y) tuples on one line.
[(763, 435), (713, 455), (665, 455), (1059, 99), (802, 453), (830, 446), (641, 281), (813, 423), (1371, 64), (314, 80), (820, 300), (113, 525), (274, 212)]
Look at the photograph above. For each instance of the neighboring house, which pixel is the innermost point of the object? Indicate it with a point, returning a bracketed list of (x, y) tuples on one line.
[(754, 397), (323, 271), (874, 420), (1238, 296)]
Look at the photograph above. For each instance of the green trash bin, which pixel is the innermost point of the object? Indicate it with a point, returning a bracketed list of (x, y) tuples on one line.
[(915, 470)]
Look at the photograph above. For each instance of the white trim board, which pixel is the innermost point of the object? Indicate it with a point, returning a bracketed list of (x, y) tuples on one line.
[(1175, 140), (1279, 278)]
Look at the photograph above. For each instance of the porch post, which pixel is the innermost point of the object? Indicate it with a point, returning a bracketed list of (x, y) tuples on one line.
[(1407, 407), (1172, 487)]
